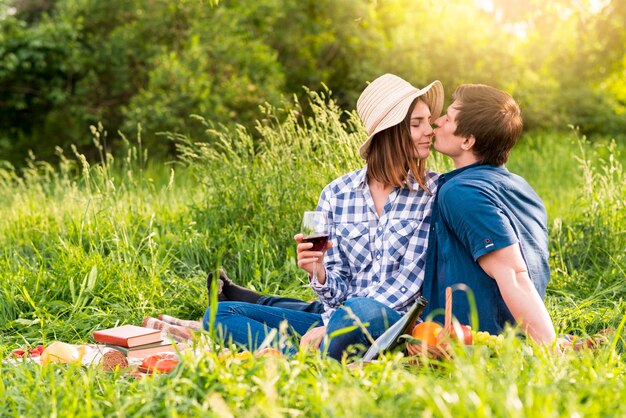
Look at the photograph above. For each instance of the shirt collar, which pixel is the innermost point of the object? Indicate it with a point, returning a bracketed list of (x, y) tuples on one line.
[(360, 180), (449, 175)]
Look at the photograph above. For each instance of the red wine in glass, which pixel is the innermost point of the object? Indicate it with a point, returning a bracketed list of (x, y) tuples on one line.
[(319, 241), (315, 230)]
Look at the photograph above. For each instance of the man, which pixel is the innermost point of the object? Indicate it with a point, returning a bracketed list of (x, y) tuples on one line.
[(488, 228)]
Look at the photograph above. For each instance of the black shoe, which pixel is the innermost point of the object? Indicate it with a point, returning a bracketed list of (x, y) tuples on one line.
[(225, 281), (220, 287), (230, 291)]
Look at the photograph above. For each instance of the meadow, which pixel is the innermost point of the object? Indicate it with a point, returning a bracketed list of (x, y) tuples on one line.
[(91, 243)]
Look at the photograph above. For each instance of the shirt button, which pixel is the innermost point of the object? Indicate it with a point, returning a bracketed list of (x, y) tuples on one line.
[(403, 289), (380, 228), (378, 256)]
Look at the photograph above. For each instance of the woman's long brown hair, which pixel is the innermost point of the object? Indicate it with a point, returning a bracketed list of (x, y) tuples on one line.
[(392, 155)]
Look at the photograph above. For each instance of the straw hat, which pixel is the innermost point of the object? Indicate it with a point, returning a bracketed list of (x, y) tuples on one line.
[(386, 101)]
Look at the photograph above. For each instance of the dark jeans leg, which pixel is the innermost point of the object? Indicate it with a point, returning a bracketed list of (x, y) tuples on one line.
[(316, 306)]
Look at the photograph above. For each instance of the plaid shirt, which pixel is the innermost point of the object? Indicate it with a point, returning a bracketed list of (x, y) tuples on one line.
[(379, 258)]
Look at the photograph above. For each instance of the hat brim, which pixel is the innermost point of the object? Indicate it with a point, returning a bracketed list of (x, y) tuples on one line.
[(432, 95)]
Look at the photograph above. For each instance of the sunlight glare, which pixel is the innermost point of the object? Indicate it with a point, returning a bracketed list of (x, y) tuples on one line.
[(596, 6)]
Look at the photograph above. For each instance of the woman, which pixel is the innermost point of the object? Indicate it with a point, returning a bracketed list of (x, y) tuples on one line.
[(379, 216)]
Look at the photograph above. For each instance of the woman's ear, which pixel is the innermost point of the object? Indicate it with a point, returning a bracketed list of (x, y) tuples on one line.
[(468, 143)]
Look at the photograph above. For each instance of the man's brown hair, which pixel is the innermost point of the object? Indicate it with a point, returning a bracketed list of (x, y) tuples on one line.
[(492, 116), (392, 154)]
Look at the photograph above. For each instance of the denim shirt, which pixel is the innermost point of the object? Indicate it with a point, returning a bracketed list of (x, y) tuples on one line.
[(479, 209)]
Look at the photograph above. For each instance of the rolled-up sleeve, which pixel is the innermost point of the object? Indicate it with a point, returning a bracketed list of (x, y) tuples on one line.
[(477, 219)]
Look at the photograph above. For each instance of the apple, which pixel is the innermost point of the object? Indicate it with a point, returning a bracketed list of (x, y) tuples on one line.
[(460, 333)]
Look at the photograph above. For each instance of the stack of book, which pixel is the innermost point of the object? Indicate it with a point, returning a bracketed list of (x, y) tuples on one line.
[(134, 341)]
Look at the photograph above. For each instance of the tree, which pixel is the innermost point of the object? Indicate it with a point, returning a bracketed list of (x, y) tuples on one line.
[(221, 72)]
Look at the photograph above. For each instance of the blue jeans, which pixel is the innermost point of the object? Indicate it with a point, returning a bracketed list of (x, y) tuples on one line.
[(368, 318), (247, 324)]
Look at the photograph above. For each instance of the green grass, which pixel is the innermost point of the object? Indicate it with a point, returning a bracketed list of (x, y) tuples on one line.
[(87, 245)]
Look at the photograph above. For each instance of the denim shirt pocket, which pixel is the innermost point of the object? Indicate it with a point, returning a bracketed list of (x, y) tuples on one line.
[(354, 242), (400, 233)]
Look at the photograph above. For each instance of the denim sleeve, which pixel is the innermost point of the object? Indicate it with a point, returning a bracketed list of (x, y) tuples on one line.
[(475, 217), (333, 292)]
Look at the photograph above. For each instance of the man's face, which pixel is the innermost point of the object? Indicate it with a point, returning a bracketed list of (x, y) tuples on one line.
[(421, 130), (445, 141)]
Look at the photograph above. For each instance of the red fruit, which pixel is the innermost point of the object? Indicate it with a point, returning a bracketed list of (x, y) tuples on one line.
[(461, 333), (165, 365), (468, 337), (150, 362), (19, 353), (36, 352)]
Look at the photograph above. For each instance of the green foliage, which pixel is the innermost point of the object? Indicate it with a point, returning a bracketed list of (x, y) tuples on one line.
[(38, 73), (222, 73), (68, 64), (593, 243), (338, 44)]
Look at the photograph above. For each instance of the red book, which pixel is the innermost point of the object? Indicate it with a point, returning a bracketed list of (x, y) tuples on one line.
[(128, 336)]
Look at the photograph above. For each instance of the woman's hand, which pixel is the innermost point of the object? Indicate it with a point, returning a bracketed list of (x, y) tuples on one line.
[(312, 339), (307, 258)]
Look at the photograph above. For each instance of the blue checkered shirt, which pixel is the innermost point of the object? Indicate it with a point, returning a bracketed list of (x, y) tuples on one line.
[(381, 259)]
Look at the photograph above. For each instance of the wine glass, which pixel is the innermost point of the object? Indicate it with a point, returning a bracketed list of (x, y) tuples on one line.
[(315, 231)]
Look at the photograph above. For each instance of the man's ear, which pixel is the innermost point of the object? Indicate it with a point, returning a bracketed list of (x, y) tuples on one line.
[(468, 143)]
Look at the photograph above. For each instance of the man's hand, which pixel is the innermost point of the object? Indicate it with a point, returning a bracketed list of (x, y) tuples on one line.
[(307, 259), (312, 339)]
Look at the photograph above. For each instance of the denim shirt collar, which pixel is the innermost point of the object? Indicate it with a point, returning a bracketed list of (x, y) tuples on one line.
[(451, 174)]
